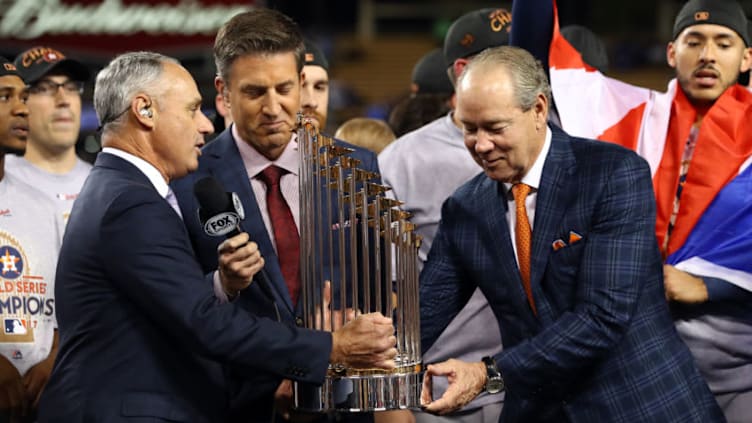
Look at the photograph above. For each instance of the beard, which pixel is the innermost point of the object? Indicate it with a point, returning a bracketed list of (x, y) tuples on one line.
[(321, 119)]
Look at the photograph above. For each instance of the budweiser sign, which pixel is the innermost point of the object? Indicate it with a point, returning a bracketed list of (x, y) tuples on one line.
[(30, 19)]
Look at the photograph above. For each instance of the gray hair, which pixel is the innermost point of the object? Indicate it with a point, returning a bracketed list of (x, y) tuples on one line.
[(528, 76), (124, 77)]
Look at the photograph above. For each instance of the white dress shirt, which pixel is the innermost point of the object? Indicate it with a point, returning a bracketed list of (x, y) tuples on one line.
[(255, 163), (532, 178)]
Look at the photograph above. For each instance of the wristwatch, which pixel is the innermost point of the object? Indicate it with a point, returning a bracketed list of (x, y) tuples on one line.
[(494, 381)]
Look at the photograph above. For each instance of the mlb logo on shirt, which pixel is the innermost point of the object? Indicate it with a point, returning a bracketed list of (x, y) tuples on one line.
[(15, 327), (17, 355)]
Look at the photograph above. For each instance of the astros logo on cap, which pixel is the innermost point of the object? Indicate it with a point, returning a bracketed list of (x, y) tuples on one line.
[(467, 39)]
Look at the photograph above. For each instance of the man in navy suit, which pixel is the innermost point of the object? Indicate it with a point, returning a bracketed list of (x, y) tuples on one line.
[(143, 335), (558, 232), (259, 57)]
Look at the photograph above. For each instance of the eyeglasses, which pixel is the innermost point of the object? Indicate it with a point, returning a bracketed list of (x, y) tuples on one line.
[(50, 88)]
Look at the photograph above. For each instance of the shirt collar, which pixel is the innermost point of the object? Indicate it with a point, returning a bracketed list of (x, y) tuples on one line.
[(255, 162), (145, 167), (533, 176)]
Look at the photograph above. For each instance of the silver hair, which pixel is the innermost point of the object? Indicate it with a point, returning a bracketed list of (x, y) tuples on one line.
[(528, 76), (124, 77)]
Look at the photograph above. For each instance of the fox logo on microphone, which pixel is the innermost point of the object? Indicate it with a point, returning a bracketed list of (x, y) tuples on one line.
[(221, 224)]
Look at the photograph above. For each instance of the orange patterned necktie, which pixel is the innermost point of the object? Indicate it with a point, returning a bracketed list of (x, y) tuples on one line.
[(523, 238)]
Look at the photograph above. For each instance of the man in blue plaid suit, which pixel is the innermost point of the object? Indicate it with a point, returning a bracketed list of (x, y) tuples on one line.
[(587, 333)]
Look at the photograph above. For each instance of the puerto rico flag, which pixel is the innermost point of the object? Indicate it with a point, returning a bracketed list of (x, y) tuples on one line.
[(713, 233)]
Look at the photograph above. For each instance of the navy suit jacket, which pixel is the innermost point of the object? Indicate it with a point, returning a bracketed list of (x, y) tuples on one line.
[(602, 347), (221, 159), (141, 334)]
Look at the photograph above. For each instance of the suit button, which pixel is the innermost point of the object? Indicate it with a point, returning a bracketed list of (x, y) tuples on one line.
[(299, 321)]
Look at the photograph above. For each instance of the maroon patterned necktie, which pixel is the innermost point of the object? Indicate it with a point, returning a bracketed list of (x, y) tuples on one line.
[(285, 231)]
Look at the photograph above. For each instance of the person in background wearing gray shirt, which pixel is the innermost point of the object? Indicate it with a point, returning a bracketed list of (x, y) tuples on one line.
[(30, 234), (50, 163)]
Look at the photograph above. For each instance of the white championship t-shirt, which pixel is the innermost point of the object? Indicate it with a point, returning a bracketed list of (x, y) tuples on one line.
[(30, 237)]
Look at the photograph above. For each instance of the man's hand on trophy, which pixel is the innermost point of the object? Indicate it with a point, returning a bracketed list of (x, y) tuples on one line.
[(365, 342), (466, 381), (330, 316), (239, 260)]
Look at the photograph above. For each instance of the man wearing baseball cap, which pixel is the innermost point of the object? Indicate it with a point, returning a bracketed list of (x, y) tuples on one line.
[(56, 84), (30, 237), (423, 181), (430, 96), (697, 138), (314, 95), (429, 75)]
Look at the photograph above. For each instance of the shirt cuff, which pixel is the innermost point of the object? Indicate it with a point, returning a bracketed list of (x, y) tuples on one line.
[(219, 292), (721, 290)]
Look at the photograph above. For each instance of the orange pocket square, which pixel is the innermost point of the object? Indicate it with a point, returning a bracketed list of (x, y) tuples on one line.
[(560, 243)]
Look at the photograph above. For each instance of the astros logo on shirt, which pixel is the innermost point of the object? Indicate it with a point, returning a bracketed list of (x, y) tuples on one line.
[(18, 306), (12, 262)]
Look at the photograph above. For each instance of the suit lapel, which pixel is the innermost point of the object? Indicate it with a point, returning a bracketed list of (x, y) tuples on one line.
[(227, 166), (554, 195)]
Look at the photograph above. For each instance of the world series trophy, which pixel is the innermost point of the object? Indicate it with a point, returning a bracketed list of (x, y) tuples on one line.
[(366, 249)]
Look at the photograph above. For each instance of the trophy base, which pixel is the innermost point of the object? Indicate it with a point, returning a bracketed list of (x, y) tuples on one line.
[(370, 391)]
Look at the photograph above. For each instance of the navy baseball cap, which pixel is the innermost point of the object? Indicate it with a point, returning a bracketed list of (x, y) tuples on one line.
[(36, 62), (429, 75), (476, 31), (314, 56), (728, 13), (7, 68)]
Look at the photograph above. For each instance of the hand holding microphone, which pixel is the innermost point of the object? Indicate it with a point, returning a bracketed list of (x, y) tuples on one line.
[(220, 214), (239, 260)]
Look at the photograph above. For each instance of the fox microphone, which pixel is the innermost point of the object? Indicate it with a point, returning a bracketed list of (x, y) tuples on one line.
[(220, 213)]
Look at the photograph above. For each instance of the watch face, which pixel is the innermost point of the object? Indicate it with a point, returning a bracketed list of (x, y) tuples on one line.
[(494, 385)]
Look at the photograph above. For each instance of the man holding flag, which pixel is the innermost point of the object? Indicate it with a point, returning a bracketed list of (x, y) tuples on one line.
[(698, 142)]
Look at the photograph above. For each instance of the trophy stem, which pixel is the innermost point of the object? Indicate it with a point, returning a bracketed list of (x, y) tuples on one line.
[(356, 237)]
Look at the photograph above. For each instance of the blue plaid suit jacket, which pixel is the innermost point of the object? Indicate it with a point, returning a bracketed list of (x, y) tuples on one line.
[(602, 347)]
